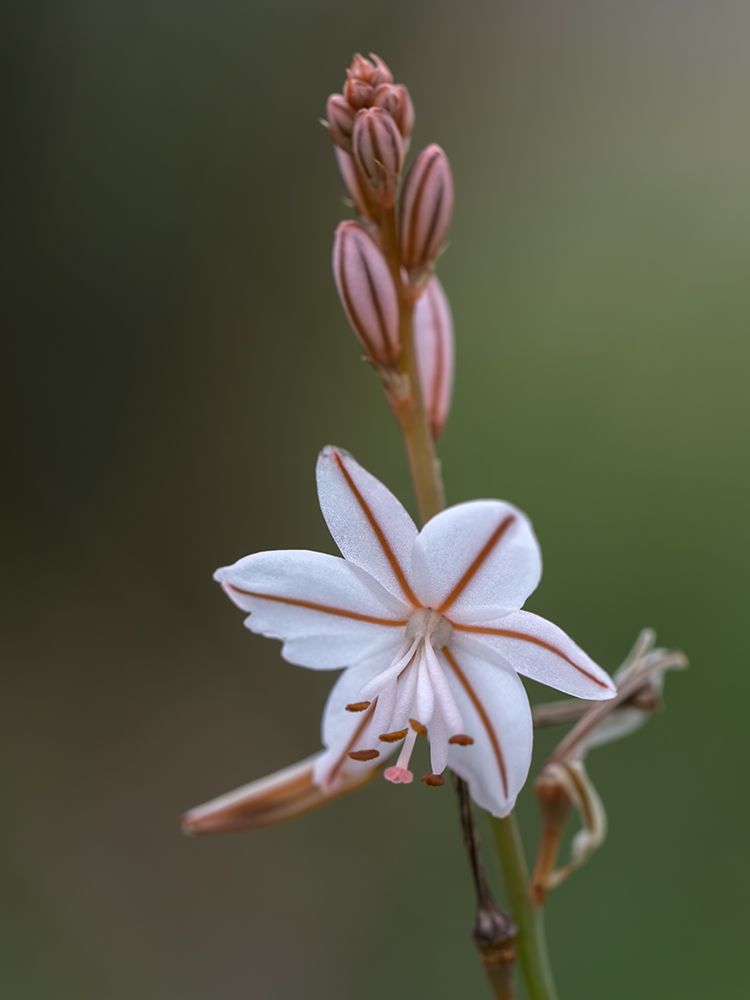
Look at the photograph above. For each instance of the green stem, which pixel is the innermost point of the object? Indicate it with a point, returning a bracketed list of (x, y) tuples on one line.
[(531, 943)]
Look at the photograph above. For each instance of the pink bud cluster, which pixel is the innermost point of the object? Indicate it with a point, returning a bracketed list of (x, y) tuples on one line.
[(384, 266)]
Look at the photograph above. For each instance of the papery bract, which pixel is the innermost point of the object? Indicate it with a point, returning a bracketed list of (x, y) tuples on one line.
[(378, 149), (428, 624), (433, 337), (367, 292), (426, 207)]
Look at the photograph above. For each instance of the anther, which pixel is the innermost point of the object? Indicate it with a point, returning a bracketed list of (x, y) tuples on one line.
[(435, 780), (393, 737), (462, 740), (358, 706), (418, 728), (364, 754)]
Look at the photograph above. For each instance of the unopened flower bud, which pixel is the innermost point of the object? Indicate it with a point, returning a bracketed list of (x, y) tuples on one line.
[(353, 182), (374, 73), (367, 292), (433, 338), (426, 207), (340, 121), (357, 92), (379, 151), (396, 101)]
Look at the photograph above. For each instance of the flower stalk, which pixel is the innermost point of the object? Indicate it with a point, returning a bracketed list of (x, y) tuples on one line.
[(531, 942), (405, 393)]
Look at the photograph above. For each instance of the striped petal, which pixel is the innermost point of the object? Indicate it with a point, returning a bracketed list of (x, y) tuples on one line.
[(476, 560), (370, 526), (538, 649), (496, 714), (328, 612)]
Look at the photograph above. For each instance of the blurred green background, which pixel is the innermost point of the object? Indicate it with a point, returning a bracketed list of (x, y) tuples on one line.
[(176, 358)]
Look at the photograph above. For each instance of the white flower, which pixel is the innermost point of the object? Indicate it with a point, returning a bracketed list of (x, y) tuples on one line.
[(429, 627)]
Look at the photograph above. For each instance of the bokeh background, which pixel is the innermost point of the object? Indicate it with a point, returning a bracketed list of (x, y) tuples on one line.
[(176, 357)]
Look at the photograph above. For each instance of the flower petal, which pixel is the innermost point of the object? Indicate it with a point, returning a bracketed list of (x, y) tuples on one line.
[(496, 714), (538, 649), (328, 612), (370, 526), (476, 560), (343, 731)]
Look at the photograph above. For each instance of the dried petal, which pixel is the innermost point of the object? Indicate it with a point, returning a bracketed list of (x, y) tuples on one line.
[(426, 207), (340, 121), (433, 335), (379, 153), (282, 796), (367, 292)]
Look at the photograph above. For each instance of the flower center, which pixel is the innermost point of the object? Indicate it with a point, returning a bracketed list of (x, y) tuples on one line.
[(412, 697), (424, 623)]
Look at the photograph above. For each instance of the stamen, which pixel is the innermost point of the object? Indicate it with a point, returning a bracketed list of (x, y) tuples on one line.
[(364, 754), (358, 706), (436, 780), (462, 740), (393, 737), (381, 681), (418, 728)]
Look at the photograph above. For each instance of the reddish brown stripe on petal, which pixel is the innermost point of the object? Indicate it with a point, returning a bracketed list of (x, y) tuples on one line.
[(523, 637), (418, 728), (379, 534), (411, 250), (324, 608), (461, 740), (390, 348), (363, 754), (358, 706), (436, 780), (393, 737), (476, 565), (482, 715)]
